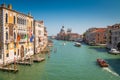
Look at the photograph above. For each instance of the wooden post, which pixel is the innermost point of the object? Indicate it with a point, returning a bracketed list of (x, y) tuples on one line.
[(15, 67)]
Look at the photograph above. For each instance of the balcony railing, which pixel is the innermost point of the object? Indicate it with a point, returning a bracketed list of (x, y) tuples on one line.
[(7, 41), (23, 40)]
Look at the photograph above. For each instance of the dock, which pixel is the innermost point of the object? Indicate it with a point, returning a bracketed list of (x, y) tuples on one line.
[(38, 59), (8, 69), (46, 50)]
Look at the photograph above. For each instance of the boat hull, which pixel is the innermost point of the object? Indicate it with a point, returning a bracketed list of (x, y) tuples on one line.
[(77, 44), (114, 53), (102, 63)]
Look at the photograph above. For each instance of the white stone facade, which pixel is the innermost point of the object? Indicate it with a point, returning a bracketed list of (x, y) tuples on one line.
[(12, 24), (113, 36), (39, 35)]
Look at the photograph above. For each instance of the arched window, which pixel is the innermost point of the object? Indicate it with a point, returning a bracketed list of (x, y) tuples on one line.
[(14, 35), (17, 20), (14, 45), (6, 46), (18, 52), (14, 19), (20, 20), (7, 55), (25, 22), (6, 18), (6, 35)]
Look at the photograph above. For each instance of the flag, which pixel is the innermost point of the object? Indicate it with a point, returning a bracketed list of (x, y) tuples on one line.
[(32, 37), (25, 37)]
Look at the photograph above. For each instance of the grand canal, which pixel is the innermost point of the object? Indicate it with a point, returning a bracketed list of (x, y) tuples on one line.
[(69, 63)]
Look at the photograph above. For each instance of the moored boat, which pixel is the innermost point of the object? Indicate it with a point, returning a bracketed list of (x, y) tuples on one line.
[(102, 63), (77, 44), (114, 51)]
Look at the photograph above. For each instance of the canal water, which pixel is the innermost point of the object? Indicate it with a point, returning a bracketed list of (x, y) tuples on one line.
[(67, 62)]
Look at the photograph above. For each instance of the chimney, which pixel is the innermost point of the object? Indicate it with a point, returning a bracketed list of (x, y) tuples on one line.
[(9, 6), (3, 5)]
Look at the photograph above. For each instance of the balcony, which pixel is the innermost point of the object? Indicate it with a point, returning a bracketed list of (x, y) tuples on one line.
[(23, 40)]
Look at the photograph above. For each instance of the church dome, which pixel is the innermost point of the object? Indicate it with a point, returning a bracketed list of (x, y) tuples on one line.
[(62, 29)]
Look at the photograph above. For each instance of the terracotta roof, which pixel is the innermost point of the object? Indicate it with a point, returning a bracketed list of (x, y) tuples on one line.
[(41, 22), (74, 34), (115, 26), (99, 30)]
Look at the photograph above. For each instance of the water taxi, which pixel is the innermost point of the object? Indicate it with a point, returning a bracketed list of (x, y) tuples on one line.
[(77, 44), (114, 51), (64, 43), (102, 63)]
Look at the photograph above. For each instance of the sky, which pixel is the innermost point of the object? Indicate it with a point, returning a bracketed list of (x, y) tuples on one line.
[(79, 15)]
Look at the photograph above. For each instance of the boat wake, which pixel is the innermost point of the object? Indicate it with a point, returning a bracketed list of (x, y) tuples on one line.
[(109, 70)]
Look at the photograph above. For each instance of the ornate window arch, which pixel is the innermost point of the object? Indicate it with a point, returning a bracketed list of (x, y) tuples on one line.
[(14, 19), (6, 18), (14, 35)]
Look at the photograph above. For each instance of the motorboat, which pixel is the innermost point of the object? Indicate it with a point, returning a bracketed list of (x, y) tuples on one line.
[(77, 44), (102, 63), (64, 43), (114, 51)]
